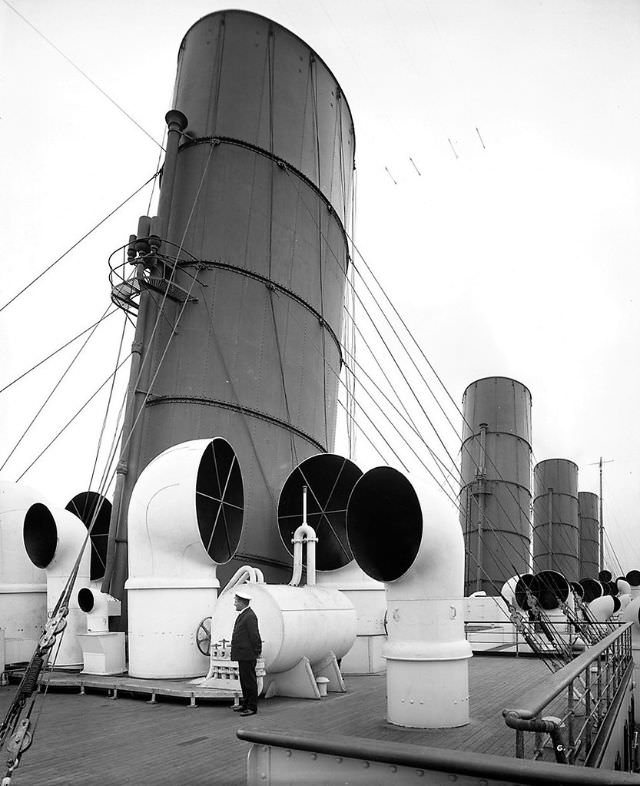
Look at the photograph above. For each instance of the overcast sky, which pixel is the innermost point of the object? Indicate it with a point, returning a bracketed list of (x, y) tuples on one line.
[(514, 252)]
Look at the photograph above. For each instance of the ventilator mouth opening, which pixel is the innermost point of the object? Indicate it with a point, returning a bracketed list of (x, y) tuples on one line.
[(578, 589), (94, 511), (40, 535), (633, 577), (524, 583), (86, 599), (329, 480), (219, 501), (592, 589), (550, 588), (384, 523)]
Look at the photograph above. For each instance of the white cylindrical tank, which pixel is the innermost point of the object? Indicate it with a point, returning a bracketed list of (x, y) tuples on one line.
[(294, 622), (23, 586), (329, 479), (185, 517), (53, 539)]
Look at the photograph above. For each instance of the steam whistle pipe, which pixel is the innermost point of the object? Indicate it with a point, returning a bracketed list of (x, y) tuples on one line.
[(304, 534), (176, 123)]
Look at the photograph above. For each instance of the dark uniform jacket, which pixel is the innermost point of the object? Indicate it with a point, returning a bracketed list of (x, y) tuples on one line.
[(245, 641)]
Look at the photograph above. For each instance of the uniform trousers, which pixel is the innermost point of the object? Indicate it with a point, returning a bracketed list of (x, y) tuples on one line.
[(248, 684)]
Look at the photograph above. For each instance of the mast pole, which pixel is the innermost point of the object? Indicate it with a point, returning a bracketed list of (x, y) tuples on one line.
[(601, 527)]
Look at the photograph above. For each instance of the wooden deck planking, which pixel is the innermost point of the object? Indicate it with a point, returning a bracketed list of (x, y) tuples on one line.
[(92, 740)]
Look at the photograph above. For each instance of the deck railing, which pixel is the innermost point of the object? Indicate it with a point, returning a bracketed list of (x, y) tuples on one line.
[(573, 709)]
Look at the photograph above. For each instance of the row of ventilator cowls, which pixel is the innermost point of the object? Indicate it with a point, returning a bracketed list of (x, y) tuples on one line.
[(408, 554), (591, 601)]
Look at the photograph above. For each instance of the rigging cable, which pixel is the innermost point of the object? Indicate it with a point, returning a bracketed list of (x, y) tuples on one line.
[(81, 72), (69, 422), (77, 243), (107, 408), (56, 386), (453, 463), (55, 352)]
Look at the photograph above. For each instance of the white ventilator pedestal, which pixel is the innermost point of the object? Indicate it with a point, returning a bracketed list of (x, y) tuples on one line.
[(369, 600), (103, 653)]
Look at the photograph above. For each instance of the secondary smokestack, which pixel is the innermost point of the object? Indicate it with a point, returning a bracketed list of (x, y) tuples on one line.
[(496, 488), (555, 517), (589, 533)]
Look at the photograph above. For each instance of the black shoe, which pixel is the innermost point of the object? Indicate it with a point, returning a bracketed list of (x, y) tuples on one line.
[(237, 708), (248, 712)]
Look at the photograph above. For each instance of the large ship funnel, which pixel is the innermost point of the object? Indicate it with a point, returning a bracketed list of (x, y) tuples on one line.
[(589, 527), (329, 480), (496, 481), (23, 585), (53, 539), (253, 261), (556, 542), (185, 517), (420, 559)]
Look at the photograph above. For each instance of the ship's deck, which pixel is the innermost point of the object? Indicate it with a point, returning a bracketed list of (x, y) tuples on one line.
[(92, 740)]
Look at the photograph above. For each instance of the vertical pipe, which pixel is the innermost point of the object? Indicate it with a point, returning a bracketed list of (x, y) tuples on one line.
[(570, 720), (550, 513), (481, 515), (601, 530), (115, 573)]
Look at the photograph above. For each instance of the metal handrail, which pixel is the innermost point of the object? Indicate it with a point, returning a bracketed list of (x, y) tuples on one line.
[(594, 696), (537, 699), (496, 769)]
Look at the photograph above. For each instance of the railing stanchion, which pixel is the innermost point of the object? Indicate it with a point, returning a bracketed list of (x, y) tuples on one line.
[(570, 718)]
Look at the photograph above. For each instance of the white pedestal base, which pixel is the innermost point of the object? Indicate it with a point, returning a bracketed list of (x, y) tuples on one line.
[(103, 653)]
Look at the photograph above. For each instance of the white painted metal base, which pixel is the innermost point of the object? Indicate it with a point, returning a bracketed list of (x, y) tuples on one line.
[(23, 611), (369, 600), (428, 694), (162, 629), (103, 653), (297, 683), (365, 657)]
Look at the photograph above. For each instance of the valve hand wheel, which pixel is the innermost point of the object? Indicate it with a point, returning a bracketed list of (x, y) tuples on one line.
[(203, 636)]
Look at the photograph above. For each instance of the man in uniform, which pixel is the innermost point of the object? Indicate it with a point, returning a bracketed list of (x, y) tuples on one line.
[(246, 647)]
